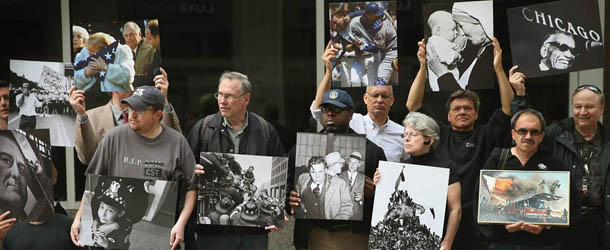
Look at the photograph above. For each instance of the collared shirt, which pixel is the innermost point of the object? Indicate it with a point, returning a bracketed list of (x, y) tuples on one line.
[(235, 135), (352, 177), (388, 137), (590, 153), (117, 114), (28, 107)]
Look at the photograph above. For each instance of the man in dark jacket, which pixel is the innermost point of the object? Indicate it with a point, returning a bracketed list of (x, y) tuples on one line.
[(233, 130), (337, 109), (583, 144)]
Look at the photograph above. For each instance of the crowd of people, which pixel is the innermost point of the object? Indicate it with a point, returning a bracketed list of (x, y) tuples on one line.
[(137, 135)]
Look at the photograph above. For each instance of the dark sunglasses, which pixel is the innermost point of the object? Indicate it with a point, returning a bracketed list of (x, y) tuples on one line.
[(589, 87), (331, 108), (564, 48), (524, 132)]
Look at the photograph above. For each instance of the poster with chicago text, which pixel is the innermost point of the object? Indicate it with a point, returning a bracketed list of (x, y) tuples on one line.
[(459, 49), (364, 33), (556, 37)]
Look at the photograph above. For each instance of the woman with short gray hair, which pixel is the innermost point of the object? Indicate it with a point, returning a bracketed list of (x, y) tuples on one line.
[(421, 136)]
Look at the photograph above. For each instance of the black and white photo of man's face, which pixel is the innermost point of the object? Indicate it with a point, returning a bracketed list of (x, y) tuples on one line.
[(318, 173), (353, 164), (558, 52), (13, 189)]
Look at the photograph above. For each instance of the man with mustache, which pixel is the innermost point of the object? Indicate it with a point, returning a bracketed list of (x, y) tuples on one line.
[(468, 147), (558, 51), (337, 111), (376, 124), (527, 132), (583, 143)]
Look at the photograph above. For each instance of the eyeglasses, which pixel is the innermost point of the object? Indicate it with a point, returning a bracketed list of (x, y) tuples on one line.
[(564, 48), (589, 87), (139, 111), (377, 95), (331, 108), (227, 97), (410, 135), (524, 132)]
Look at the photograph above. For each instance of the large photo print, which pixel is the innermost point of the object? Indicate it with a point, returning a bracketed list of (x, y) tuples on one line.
[(556, 37), (242, 190), (39, 99), (459, 49), (365, 35), (26, 186), (537, 197), (329, 176), (409, 207), (127, 213)]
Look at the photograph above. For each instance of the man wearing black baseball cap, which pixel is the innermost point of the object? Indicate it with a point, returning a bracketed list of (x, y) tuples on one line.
[(146, 149), (337, 109)]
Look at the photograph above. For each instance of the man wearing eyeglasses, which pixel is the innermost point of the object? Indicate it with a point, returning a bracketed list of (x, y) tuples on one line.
[(146, 149), (376, 124), (337, 109), (92, 125), (468, 147), (558, 51), (583, 144), (233, 129), (527, 133)]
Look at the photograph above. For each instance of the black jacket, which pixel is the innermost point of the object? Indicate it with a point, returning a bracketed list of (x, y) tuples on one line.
[(373, 155), (209, 135)]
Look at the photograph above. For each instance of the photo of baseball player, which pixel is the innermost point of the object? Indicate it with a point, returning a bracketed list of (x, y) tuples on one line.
[(556, 38), (365, 35), (459, 50)]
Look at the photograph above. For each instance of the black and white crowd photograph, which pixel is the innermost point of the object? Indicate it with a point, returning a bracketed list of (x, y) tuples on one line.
[(40, 99), (556, 37), (26, 175), (242, 190), (127, 213), (329, 176), (459, 49), (365, 35), (409, 209)]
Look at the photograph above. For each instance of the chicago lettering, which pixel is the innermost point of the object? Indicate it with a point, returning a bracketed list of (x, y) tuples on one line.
[(548, 20)]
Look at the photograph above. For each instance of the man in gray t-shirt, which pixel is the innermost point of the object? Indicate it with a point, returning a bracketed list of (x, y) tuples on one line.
[(146, 149)]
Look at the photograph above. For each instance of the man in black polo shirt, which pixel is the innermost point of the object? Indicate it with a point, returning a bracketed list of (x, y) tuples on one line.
[(468, 147), (337, 109)]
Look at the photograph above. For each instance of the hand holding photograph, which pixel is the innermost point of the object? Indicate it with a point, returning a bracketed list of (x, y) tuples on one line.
[(537, 197)]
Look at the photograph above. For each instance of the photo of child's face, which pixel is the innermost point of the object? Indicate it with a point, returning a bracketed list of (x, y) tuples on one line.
[(448, 30), (108, 214)]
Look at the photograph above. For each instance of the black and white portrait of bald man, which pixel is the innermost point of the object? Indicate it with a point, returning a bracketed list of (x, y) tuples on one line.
[(25, 186), (558, 51)]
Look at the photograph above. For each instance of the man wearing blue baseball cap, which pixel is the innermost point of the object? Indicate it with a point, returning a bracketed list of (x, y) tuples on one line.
[(337, 110), (146, 149)]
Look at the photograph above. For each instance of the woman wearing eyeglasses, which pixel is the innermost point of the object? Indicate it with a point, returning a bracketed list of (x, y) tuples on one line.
[(420, 138)]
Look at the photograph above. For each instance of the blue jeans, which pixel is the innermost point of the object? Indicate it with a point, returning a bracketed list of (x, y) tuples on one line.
[(233, 242), (508, 246)]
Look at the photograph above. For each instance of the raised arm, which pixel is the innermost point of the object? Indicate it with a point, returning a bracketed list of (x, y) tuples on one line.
[(517, 80), (506, 92), (327, 58), (416, 94)]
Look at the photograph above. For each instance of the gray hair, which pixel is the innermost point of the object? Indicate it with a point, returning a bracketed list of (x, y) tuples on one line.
[(244, 83), (133, 25), (424, 124), (516, 116)]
